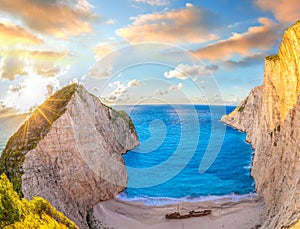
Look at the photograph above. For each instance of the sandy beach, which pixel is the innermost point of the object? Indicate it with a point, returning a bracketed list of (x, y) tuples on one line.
[(245, 214)]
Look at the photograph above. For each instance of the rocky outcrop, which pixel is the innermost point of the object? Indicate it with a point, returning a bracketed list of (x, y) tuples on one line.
[(271, 117), (70, 153)]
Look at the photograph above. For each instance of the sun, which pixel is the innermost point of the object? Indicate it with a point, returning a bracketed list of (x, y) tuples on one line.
[(31, 94)]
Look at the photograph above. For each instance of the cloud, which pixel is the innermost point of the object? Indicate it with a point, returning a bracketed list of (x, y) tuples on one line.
[(111, 21), (12, 66), (176, 87), (11, 34), (245, 62), (104, 48), (112, 97), (134, 83), (43, 62), (154, 2), (188, 25), (47, 55), (283, 10), (31, 92), (159, 92), (47, 69), (6, 111), (105, 57), (183, 71), (59, 18), (23, 62), (18, 88), (102, 70), (261, 37), (119, 88)]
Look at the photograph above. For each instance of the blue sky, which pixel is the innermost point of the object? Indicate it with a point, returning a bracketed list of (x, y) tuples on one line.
[(138, 51)]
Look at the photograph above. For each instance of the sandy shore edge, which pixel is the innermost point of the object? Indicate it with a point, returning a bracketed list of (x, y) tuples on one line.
[(244, 214)]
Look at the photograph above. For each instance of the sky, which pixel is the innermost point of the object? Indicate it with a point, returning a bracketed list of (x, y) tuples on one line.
[(138, 51)]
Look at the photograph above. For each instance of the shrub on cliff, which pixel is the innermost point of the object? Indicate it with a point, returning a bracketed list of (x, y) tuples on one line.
[(20, 213)]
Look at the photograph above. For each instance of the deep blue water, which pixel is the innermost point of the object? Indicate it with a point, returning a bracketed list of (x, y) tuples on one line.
[(164, 168)]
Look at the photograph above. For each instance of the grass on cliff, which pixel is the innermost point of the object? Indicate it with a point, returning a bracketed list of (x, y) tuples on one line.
[(274, 57), (113, 114), (128, 120), (21, 213), (31, 132), (242, 106)]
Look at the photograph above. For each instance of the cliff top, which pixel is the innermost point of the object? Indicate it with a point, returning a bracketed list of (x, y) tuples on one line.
[(34, 128), (295, 28), (297, 24), (32, 131)]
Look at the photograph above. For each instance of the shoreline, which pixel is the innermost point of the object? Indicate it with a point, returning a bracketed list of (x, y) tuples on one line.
[(162, 201), (119, 214)]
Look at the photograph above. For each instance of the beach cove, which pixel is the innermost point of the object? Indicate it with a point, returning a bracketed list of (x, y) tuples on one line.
[(247, 214)]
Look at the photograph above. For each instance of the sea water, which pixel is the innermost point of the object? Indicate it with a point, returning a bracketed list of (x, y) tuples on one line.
[(8, 125), (165, 130), (187, 132)]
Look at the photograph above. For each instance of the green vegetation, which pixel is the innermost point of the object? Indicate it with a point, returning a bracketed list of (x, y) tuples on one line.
[(274, 57), (31, 132), (128, 120), (113, 114), (20, 213), (271, 134), (241, 107)]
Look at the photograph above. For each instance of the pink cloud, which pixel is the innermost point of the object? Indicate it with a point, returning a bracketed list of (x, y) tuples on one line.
[(190, 24), (58, 18), (284, 10), (261, 37)]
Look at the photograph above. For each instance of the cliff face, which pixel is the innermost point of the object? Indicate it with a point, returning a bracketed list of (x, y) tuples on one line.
[(271, 117), (71, 153)]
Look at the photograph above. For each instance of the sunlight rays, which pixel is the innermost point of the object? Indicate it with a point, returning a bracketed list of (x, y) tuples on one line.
[(25, 132), (49, 109), (55, 100), (43, 114)]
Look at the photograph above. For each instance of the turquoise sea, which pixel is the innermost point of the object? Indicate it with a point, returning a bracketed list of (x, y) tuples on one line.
[(186, 154), (188, 132)]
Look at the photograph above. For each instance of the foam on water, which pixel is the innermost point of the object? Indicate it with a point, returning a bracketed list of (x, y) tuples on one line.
[(160, 201)]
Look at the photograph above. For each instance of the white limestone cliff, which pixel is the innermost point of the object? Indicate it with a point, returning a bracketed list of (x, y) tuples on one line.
[(271, 117), (77, 160)]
